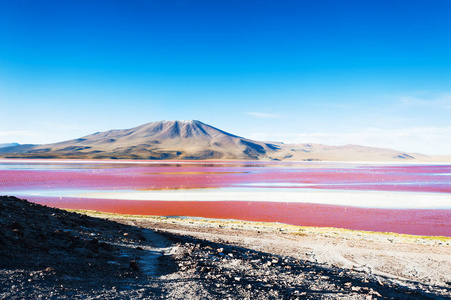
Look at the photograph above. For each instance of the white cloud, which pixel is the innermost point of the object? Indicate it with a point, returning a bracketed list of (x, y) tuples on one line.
[(263, 115), (440, 101)]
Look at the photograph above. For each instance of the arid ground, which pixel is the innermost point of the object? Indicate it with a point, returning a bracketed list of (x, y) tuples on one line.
[(47, 253)]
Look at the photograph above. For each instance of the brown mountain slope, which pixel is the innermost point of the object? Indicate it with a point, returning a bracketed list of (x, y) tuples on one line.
[(196, 140), (347, 153), (156, 140)]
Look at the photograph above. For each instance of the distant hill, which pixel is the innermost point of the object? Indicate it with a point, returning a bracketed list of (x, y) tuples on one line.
[(194, 140), (9, 145)]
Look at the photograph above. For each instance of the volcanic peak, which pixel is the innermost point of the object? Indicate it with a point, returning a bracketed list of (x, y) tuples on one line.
[(192, 139)]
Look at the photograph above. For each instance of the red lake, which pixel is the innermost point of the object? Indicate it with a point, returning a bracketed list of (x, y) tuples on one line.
[(403, 198)]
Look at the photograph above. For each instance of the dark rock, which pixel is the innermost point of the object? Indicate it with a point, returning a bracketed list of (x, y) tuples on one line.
[(134, 265)]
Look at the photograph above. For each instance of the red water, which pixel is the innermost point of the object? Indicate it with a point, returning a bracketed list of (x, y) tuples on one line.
[(432, 222), (348, 177), (50, 176)]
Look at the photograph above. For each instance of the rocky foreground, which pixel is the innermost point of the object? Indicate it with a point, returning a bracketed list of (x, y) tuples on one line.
[(47, 253)]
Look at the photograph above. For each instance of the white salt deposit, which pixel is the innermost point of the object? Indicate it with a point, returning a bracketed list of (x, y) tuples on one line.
[(371, 199)]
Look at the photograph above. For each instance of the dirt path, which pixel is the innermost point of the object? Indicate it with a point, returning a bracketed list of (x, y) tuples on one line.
[(150, 254)]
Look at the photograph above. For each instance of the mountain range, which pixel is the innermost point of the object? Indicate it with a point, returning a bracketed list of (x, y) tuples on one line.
[(194, 140)]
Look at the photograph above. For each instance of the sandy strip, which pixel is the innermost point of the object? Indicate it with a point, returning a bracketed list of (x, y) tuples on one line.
[(373, 199)]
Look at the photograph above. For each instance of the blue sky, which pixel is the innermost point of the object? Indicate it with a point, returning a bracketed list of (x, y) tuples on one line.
[(375, 73)]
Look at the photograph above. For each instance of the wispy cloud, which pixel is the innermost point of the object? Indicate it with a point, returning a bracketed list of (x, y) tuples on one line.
[(261, 115), (438, 101)]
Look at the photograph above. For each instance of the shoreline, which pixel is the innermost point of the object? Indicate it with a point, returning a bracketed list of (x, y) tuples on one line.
[(446, 161), (405, 221), (398, 257), (264, 226)]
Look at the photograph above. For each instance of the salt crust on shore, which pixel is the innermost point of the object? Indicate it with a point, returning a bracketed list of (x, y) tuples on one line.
[(372, 199)]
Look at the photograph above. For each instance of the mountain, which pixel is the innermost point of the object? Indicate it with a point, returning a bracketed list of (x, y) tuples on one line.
[(156, 140), (195, 140), (5, 145)]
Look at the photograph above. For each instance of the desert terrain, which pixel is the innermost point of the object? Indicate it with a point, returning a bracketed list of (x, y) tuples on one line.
[(48, 253)]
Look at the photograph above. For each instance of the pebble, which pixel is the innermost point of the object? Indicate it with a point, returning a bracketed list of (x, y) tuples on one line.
[(134, 265)]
